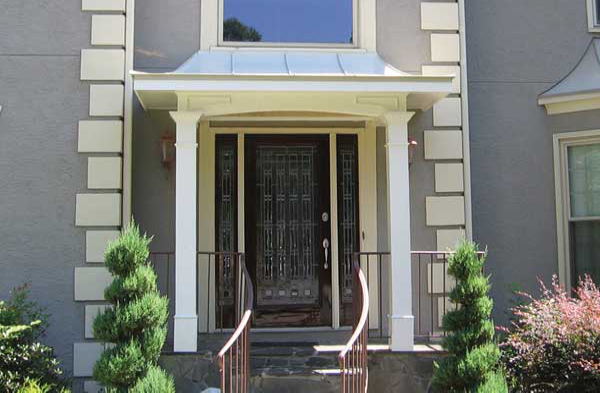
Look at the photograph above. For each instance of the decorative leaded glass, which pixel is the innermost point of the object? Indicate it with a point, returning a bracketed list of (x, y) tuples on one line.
[(347, 212), (226, 218), (287, 225)]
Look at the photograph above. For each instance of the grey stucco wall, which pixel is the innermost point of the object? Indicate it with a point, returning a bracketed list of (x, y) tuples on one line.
[(511, 136), (40, 170)]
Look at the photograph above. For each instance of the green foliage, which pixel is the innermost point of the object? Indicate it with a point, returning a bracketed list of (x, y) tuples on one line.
[(234, 30), (32, 386), (23, 359), (156, 380), (137, 321), (494, 383), (472, 364)]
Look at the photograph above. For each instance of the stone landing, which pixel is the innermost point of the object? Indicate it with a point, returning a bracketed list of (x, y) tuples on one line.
[(304, 367)]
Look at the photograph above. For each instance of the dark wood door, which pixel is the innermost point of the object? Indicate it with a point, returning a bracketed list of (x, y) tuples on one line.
[(287, 227)]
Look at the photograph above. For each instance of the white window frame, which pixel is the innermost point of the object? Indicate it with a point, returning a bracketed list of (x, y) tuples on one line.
[(363, 35), (563, 204), (593, 24)]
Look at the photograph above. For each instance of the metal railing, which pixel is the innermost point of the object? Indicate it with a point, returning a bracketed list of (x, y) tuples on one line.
[(353, 358), (234, 357)]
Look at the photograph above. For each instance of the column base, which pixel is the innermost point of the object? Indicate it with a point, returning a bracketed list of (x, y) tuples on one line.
[(403, 336), (185, 338)]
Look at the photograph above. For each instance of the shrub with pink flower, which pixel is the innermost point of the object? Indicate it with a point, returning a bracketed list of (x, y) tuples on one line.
[(554, 342)]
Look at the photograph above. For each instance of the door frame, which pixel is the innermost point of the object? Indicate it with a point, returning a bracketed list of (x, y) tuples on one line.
[(366, 138)]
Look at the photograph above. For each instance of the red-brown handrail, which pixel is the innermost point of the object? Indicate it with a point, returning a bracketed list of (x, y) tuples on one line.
[(353, 358), (234, 357)]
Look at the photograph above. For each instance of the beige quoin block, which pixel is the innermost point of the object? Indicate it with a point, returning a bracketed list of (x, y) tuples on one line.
[(92, 387), (104, 172), (443, 145), (90, 283), (441, 282), (446, 210), (96, 243), (106, 100), (103, 64), (447, 112), (442, 70), (85, 356), (108, 30), (98, 210), (103, 5), (449, 177), (100, 136), (91, 312), (445, 48), (448, 239), (439, 16)]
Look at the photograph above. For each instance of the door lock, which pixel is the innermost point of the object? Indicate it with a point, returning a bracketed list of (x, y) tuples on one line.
[(326, 249)]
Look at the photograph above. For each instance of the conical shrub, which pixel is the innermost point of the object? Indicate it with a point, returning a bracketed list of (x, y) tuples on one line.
[(136, 323), (473, 355)]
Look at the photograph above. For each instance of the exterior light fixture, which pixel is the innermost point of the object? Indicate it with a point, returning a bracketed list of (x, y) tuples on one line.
[(167, 147), (412, 145)]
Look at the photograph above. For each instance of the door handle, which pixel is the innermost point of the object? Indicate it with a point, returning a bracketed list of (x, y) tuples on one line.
[(326, 249)]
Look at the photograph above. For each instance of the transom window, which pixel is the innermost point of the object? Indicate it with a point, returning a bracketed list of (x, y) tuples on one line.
[(579, 200), (278, 22)]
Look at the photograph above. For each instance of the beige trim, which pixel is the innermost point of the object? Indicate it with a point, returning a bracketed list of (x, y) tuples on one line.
[(98, 210), (367, 181), (560, 144), (103, 5), (104, 173), (333, 213), (447, 112), (593, 27), (447, 239), (439, 16), (106, 100), (569, 104), (108, 30), (445, 210), (103, 64), (91, 312), (443, 144), (442, 70), (449, 177), (85, 356), (128, 114), (445, 48), (100, 136), (90, 283), (96, 243)]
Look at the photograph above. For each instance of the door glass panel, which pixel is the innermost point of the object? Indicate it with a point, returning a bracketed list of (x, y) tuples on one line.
[(287, 226), (226, 239), (347, 169)]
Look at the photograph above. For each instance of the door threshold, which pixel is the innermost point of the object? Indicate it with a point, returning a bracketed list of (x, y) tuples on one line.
[(300, 329)]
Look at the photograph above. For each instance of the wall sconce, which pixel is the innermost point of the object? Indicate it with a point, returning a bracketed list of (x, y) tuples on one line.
[(167, 147), (412, 145)]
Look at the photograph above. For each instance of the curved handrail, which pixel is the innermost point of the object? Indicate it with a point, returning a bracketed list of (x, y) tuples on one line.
[(356, 347), (238, 345)]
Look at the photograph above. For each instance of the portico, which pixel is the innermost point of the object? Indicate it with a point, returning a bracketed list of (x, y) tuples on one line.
[(324, 95)]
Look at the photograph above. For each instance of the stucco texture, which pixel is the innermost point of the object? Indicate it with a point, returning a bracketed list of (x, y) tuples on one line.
[(40, 170), (511, 136)]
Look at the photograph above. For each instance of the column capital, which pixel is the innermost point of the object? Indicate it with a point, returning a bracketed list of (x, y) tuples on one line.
[(393, 118), (186, 117)]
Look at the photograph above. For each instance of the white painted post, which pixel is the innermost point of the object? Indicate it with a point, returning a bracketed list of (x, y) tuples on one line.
[(186, 312), (401, 318)]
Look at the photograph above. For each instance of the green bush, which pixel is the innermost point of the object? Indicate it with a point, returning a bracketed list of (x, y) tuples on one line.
[(472, 363), (136, 322), (31, 386), (23, 358)]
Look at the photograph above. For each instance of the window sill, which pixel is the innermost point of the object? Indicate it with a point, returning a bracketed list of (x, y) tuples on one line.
[(257, 48)]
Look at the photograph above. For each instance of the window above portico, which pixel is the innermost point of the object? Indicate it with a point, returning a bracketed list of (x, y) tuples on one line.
[(293, 24)]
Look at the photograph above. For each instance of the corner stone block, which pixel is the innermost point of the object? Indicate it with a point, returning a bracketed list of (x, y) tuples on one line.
[(90, 283), (445, 48), (448, 239), (100, 136), (98, 210), (104, 173), (443, 145), (91, 312), (96, 243), (84, 357), (439, 16), (103, 64), (103, 5), (447, 112), (449, 177), (106, 100), (108, 30), (445, 210)]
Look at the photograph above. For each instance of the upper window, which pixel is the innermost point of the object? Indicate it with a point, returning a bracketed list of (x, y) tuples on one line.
[(593, 9), (580, 183), (285, 22)]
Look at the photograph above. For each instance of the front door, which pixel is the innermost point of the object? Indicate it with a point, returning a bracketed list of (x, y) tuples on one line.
[(287, 227)]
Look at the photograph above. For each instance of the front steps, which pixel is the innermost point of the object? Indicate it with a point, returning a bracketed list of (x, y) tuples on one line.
[(289, 363)]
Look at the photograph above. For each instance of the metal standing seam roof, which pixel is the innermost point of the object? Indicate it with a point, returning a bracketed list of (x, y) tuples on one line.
[(584, 78), (287, 63)]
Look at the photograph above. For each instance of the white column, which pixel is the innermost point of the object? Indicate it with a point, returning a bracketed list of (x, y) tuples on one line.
[(401, 318), (186, 312)]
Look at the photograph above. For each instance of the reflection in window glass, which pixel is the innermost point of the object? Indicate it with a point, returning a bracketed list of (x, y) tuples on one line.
[(584, 180), (597, 12), (288, 21)]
